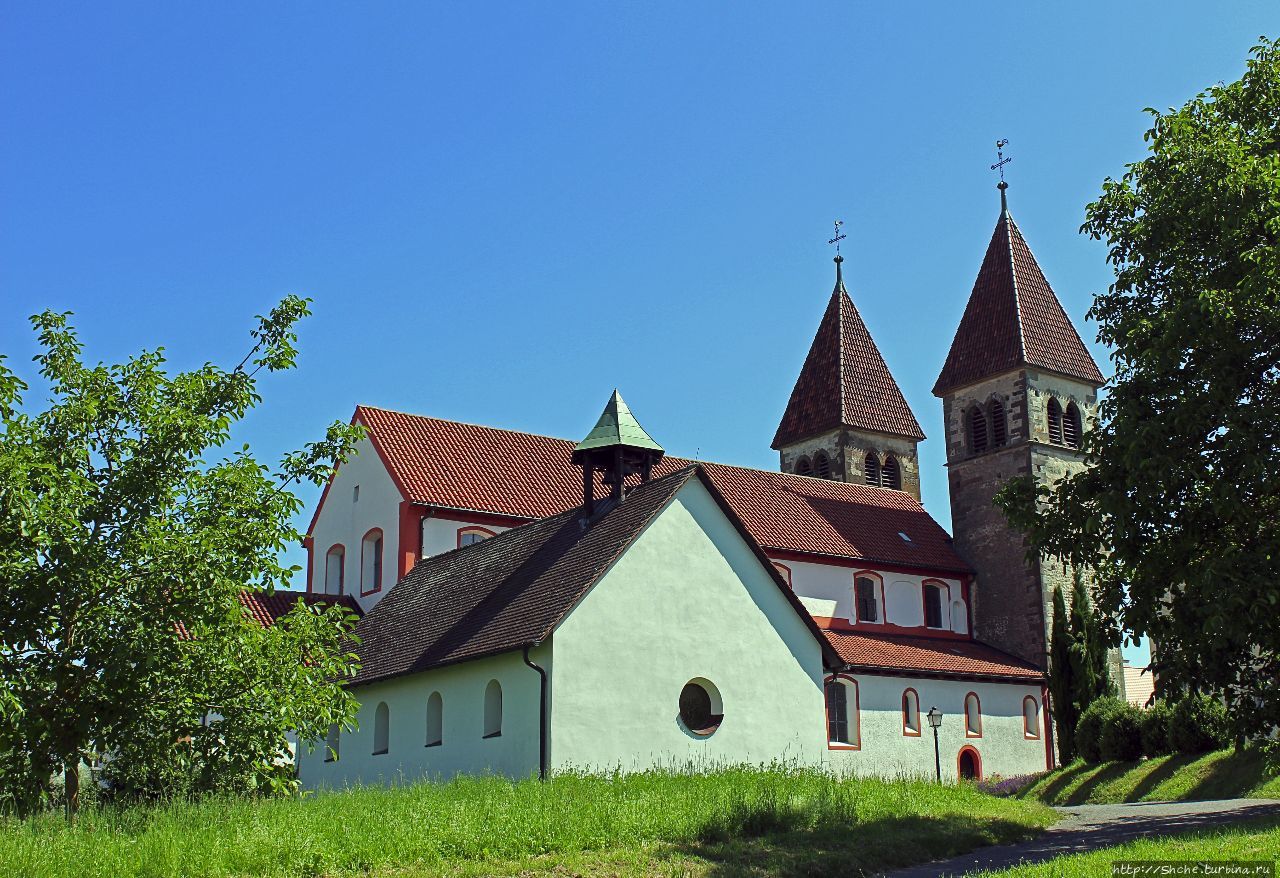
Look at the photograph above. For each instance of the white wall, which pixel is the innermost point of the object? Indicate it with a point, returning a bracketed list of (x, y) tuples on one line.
[(440, 535), (345, 520), (827, 591), (1004, 748), (464, 748)]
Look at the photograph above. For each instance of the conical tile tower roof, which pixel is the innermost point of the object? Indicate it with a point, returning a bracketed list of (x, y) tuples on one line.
[(844, 381), (1013, 320)]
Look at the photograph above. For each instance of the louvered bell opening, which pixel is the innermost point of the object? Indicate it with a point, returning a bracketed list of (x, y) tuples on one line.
[(1071, 426), (1055, 422), (871, 468), (999, 433), (891, 475), (977, 430), (822, 465)]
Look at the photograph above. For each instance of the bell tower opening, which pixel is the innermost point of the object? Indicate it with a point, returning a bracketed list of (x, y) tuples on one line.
[(618, 449)]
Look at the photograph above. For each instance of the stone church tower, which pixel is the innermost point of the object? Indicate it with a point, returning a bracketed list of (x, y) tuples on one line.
[(1017, 390), (847, 419)]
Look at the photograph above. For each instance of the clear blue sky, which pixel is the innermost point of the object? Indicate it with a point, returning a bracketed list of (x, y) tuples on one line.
[(503, 211)]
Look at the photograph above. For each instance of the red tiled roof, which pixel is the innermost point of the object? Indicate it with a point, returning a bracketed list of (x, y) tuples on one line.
[(461, 466), (845, 382), (929, 656), (267, 608), (1013, 319)]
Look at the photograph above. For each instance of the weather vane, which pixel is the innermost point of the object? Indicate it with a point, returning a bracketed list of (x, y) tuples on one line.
[(1001, 160), (840, 236)]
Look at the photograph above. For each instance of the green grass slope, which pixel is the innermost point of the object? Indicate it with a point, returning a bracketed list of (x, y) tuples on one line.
[(1221, 775), (1257, 841), (778, 822)]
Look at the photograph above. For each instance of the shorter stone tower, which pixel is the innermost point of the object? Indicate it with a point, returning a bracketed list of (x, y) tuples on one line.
[(847, 419), (1018, 389)]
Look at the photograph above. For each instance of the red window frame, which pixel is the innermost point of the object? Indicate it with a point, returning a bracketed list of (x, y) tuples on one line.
[(855, 720), (943, 607), (879, 592), (378, 560), (474, 529)]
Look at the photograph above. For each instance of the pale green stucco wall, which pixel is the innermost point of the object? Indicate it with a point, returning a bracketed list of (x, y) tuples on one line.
[(689, 599), (464, 749)]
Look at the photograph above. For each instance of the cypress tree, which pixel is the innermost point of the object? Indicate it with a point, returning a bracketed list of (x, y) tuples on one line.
[(1061, 680), (1091, 678)]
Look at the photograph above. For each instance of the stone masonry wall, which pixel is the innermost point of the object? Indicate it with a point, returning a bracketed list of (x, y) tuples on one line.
[(848, 452)]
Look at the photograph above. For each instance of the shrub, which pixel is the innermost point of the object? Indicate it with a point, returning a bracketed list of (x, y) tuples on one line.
[(1121, 739), (1155, 730), (1089, 728), (1198, 724)]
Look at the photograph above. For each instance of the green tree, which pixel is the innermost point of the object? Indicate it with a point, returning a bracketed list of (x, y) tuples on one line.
[(1061, 680), (1179, 512), (1089, 645), (123, 556)]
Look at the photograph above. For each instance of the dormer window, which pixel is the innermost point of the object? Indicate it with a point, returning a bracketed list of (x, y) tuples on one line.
[(866, 598), (371, 562)]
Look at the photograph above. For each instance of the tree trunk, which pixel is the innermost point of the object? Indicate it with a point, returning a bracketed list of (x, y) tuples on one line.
[(71, 786)]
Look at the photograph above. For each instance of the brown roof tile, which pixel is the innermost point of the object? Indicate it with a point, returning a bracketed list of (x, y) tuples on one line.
[(929, 656), (845, 382), (451, 465), (1013, 319)]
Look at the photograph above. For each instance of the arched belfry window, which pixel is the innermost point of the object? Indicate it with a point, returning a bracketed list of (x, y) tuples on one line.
[(977, 430), (1071, 426), (871, 467), (891, 473), (803, 467), (999, 427), (1055, 421), (822, 465)]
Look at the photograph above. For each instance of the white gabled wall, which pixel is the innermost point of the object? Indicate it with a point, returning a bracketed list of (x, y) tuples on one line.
[(827, 591), (689, 599), (344, 520)]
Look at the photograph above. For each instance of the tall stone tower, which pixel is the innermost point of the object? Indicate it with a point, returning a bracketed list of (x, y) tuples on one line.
[(1018, 388), (847, 419)]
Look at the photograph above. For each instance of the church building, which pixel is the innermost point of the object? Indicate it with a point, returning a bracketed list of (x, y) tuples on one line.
[(532, 605)]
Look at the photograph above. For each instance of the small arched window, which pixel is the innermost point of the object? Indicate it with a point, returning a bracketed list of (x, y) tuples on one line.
[(803, 467), (822, 465), (999, 426), (934, 601), (972, 716), (493, 709), (381, 729), (871, 468), (331, 743), (784, 571), (911, 714), (435, 720), (1071, 426), (866, 596), (843, 725), (1030, 717), (469, 536), (1055, 421), (371, 562), (891, 474), (977, 430), (333, 564)]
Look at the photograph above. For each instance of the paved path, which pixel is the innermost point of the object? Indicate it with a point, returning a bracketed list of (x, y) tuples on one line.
[(1089, 827)]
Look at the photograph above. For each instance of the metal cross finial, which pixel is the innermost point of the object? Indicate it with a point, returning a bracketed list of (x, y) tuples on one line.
[(1001, 160), (840, 236)]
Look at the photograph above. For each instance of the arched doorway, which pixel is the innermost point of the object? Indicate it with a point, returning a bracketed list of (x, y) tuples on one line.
[(969, 764)]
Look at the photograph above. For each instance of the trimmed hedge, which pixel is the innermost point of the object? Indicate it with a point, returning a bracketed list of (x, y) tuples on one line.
[(1198, 725), (1089, 728), (1155, 730), (1121, 739)]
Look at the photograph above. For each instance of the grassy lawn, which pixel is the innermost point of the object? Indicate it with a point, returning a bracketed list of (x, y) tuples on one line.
[(1221, 775), (1255, 840), (733, 822)]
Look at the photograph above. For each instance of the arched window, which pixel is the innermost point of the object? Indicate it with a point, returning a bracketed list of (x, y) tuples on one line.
[(785, 571), (1071, 426), (843, 721), (977, 430), (1030, 717), (470, 535), (999, 427), (371, 562), (1055, 422), (911, 714), (333, 564), (866, 597), (969, 764), (803, 467), (381, 728), (331, 743), (822, 465), (435, 720), (871, 467), (493, 709), (959, 617), (891, 475), (934, 601), (972, 716)]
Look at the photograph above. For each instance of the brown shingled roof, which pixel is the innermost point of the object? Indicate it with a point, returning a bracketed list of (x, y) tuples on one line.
[(451, 465), (266, 609), (513, 589), (845, 382), (1013, 319), (930, 656)]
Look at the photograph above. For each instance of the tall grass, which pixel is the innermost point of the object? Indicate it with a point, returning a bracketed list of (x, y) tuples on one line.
[(424, 825)]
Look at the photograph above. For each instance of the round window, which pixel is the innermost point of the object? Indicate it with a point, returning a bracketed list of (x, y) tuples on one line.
[(700, 708)]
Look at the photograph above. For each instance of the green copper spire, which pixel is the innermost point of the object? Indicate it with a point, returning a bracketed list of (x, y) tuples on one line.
[(617, 426)]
